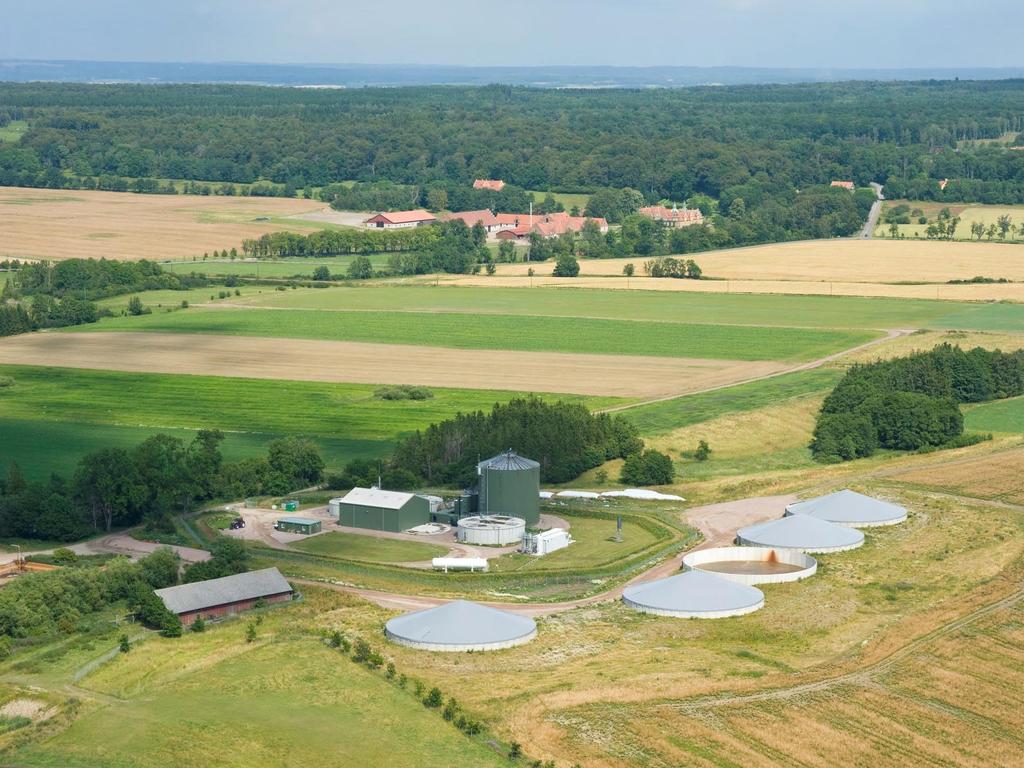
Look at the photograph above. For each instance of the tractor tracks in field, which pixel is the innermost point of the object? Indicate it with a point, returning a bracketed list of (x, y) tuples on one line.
[(864, 677)]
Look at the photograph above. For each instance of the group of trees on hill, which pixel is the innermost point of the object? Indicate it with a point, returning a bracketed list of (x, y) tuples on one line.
[(163, 475), (565, 438), (912, 402), (65, 601), (93, 278), (762, 151)]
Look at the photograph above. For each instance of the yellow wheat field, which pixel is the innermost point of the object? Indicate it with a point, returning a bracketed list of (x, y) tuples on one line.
[(63, 224)]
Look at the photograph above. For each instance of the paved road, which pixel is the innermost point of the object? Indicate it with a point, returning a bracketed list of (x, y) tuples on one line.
[(876, 210)]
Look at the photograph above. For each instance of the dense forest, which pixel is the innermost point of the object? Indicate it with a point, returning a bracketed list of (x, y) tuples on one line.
[(912, 402), (757, 159), (566, 438)]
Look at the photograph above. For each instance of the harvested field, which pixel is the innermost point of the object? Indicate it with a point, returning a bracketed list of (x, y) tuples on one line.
[(360, 363), (944, 292), (842, 261), (49, 224), (922, 341), (997, 476)]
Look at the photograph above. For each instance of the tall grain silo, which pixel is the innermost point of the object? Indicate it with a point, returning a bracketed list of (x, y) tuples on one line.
[(509, 484)]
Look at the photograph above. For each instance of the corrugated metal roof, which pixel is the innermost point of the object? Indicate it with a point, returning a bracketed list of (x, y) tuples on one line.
[(299, 520), (848, 507), (375, 497), (227, 589), (509, 460), (694, 592), (461, 623), (801, 532)]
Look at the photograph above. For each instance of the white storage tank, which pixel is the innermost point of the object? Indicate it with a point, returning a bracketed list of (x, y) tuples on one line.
[(334, 507), (471, 564), (491, 530)]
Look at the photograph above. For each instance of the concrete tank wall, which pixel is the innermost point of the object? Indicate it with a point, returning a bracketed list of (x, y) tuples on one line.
[(808, 565), (459, 648), (478, 530), (694, 614)]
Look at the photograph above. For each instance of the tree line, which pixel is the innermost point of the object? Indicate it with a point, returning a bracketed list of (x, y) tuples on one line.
[(565, 438), (162, 476), (765, 145), (93, 278), (912, 402)]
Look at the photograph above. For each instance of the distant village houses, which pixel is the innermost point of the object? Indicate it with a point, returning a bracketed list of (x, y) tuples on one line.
[(485, 218), (495, 185), (673, 217), (399, 220), (519, 226)]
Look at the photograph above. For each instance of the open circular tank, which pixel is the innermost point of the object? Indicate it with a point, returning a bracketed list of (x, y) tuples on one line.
[(752, 565)]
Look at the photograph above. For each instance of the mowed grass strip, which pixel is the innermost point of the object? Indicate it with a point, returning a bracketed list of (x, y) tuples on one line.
[(526, 333), (704, 308), (369, 549), (668, 415)]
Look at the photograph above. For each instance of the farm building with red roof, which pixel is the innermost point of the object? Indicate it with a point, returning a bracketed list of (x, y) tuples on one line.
[(399, 220), (844, 184), (495, 185)]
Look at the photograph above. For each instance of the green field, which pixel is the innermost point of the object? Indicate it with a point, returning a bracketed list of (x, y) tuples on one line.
[(58, 414), (568, 199), (1000, 416), (593, 546), (167, 299), (522, 333), (368, 549), (275, 268), (285, 700), (710, 308), (13, 131), (659, 418)]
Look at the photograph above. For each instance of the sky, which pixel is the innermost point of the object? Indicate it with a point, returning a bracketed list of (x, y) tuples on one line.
[(759, 33)]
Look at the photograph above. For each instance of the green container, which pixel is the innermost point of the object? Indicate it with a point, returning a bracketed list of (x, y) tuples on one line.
[(510, 485), (291, 506)]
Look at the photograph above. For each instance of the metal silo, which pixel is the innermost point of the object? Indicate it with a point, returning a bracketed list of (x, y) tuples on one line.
[(510, 485)]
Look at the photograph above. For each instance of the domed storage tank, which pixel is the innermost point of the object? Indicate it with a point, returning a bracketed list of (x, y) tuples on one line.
[(510, 485)]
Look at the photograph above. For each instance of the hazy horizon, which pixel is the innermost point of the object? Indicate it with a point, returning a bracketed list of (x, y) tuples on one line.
[(774, 34)]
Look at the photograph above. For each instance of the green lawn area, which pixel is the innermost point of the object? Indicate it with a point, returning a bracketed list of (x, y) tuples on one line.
[(13, 131), (684, 307), (521, 333), (998, 416), (668, 415), (567, 199), (278, 268), (60, 414), (212, 699), (369, 549), (594, 546), (971, 214), (167, 299)]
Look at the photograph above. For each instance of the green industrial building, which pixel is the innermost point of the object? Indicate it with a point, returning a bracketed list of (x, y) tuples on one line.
[(509, 485), (306, 525), (379, 510)]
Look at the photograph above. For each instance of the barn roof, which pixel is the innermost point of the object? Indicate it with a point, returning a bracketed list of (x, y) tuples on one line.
[(375, 497), (227, 589), (404, 217)]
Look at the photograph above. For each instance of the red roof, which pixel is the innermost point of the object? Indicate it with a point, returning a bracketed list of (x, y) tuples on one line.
[(485, 217), (673, 215), (493, 184), (547, 225), (843, 184), (402, 217)]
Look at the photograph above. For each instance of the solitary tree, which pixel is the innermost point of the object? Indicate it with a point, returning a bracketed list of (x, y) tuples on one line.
[(629, 270)]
